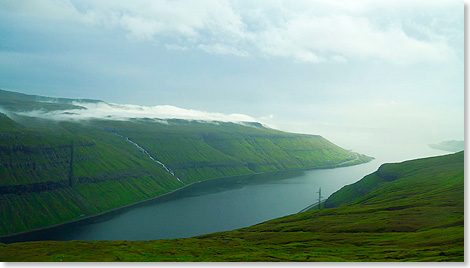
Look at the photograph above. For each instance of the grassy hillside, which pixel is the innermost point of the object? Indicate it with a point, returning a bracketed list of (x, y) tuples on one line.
[(21, 102), (198, 151), (42, 185), (57, 171), (411, 211), (436, 168)]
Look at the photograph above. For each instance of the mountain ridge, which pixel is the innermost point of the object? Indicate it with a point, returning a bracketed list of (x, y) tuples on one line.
[(55, 171)]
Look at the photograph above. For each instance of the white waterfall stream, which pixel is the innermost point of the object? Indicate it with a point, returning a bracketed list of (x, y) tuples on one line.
[(149, 156)]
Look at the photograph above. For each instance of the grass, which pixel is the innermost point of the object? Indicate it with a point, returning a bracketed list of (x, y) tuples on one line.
[(36, 189), (418, 216)]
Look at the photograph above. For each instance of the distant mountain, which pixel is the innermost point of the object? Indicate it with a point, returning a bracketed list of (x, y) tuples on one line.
[(410, 211), (19, 102), (449, 146), (66, 159)]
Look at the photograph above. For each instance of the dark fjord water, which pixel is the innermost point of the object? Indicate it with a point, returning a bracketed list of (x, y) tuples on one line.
[(210, 206)]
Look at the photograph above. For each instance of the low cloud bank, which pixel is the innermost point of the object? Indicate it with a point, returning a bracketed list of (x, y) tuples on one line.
[(111, 111)]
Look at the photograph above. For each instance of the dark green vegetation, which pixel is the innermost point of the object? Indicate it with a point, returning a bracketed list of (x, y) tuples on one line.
[(449, 146), (53, 172), (411, 211), (387, 173)]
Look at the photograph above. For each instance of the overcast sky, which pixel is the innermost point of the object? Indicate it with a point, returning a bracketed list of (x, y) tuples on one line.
[(365, 74)]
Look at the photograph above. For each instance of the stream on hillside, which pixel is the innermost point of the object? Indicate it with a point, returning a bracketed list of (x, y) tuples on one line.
[(211, 206)]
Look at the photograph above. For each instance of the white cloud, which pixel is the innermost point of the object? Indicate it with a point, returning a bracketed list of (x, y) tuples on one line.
[(102, 110), (306, 37), (175, 47), (219, 49), (306, 31)]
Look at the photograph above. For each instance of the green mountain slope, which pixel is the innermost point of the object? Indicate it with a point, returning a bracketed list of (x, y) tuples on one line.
[(387, 173), (17, 102), (414, 212), (57, 171)]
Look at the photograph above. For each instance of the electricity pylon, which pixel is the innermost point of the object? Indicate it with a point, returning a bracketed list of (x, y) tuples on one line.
[(319, 198)]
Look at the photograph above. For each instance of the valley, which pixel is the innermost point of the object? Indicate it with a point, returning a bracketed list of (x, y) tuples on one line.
[(409, 211), (232, 131), (56, 171)]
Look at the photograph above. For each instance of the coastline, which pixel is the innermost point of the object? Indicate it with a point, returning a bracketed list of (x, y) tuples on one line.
[(10, 238)]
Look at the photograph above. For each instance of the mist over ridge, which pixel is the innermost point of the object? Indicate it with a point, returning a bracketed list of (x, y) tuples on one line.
[(64, 109), (113, 111)]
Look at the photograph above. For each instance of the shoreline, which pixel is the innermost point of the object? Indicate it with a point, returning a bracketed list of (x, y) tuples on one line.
[(19, 234)]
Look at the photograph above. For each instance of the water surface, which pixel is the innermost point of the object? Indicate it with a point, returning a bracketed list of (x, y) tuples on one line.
[(212, 206)]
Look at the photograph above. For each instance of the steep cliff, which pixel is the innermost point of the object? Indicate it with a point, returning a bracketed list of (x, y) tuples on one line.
[(53, 171)]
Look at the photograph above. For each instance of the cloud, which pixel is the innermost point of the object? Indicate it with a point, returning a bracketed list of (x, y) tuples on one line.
[(351, 37), (219, 49), (111, 111), (45, 9), (339, 58), (175, 47), (396, 31)]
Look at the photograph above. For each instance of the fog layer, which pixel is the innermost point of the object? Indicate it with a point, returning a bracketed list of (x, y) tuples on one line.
[(112, 111)]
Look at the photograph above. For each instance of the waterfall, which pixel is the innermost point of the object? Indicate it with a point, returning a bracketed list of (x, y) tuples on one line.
[(149, 156)]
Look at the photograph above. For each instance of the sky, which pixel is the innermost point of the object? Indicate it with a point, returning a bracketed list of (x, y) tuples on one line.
[(368, 75)]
